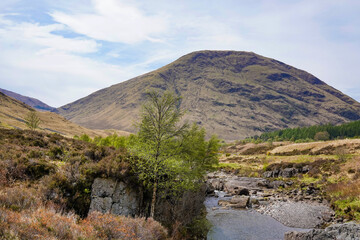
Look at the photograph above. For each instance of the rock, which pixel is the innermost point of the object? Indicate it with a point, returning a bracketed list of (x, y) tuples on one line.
[(215, 184), (305, 169), (277, 184), (286, 172), (223, 203), (345, 231), (125, 201), (268, 174), (103, 187), (289, 172), (254, 201), (234, 187), (239, 201), (289, 183), (114, 197)]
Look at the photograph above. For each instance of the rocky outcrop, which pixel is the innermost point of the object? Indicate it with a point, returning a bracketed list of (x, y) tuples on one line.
[(114, 197), (286, 172), (234, 185), (345, 231)]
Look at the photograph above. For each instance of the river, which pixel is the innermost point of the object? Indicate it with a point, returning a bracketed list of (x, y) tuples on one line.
[(233, 224)]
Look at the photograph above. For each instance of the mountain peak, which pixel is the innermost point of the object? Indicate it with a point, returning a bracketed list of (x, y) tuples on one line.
[(231, 93)]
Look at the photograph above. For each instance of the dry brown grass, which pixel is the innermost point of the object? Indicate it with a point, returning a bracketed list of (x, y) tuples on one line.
[(316, 148), (44, 223), (342, 190), (13, 112)]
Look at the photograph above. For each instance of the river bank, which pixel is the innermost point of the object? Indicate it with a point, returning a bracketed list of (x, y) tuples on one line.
[(294, 208), (258, 208), (237, 224)]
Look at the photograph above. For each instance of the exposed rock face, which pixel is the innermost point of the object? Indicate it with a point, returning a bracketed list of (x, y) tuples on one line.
[(286, 173), (346, 231), (110, 196)]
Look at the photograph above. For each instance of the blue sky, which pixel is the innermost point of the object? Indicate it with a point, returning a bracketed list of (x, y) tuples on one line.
[(60, 51)]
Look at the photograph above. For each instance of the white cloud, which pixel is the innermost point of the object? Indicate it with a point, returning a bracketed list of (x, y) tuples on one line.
[(42, 36), (320, 37), (114, 21), (48, 66)]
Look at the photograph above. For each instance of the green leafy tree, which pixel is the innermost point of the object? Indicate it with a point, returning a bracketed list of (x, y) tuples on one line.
[(157, 146), (201, 155), (32, 120), (169, 156)]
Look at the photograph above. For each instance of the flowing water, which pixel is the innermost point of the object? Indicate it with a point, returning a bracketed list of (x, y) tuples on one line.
[(233, 224)]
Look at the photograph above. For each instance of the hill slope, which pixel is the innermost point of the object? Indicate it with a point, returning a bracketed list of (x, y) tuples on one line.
[(232, 94), (13, 112), (32, 102)]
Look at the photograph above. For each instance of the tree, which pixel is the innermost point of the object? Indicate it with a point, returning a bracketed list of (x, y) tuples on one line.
[(322, 136), (169, 157), (157, 147), (32, 120)]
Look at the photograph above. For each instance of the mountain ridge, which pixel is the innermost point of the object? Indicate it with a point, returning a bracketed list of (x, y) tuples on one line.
[(13, 113), (232, 94), (32, 102)]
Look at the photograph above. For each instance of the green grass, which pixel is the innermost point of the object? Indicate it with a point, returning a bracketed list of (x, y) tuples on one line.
[(307, 179), (228, 165), (349, 207)]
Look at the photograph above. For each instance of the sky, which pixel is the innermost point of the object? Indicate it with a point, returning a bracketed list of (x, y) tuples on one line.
[(60, 51)]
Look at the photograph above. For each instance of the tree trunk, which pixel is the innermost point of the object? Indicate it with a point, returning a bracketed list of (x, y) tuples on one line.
[(153, 201)]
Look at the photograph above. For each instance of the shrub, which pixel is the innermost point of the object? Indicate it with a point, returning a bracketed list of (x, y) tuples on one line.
[(322, 136), (19, 198), (108, 226), (38, 169), (56, 152)]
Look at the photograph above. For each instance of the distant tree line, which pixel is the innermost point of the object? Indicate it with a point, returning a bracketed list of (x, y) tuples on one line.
[(317, 132)]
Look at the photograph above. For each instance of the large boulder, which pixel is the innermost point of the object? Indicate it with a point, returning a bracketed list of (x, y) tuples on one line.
[(114, 197), (239, 201), (233, 187), (215, 184)]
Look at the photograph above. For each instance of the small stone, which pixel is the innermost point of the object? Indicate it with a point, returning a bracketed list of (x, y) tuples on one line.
[(223, 203)]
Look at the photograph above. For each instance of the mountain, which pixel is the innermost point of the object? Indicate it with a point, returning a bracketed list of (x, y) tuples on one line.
[(32, 102), (232, 94), (13, 112)]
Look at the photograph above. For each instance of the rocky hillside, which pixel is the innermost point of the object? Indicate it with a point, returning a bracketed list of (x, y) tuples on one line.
[(32, 102), (13, 112), (231, 94)]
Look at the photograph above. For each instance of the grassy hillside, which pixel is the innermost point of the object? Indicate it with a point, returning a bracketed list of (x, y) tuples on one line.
[(231, 94), (45, 189), (32, 102), (13, 112)]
